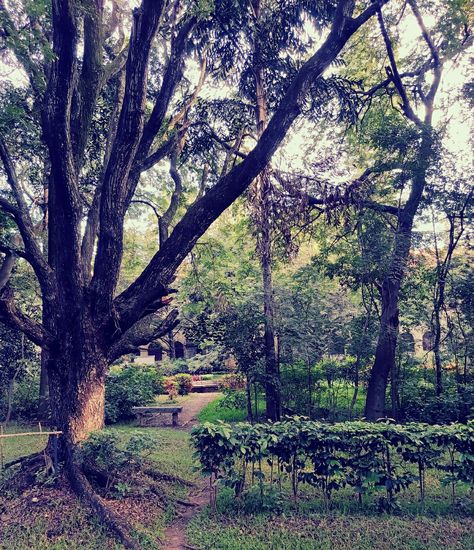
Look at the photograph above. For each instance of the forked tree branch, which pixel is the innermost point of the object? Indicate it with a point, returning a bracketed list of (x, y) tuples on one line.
[(129, 132), (145, 331)]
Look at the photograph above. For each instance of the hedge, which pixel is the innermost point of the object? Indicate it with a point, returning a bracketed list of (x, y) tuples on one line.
[(364, 456)]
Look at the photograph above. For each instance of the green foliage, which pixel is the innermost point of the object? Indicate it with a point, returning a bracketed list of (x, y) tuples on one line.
[(104, 456), (131, 386), (184, 382), (26, 397), (368, 458), (170, 367)]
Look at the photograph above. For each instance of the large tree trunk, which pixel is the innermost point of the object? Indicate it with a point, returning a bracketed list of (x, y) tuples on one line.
[(76, 367)]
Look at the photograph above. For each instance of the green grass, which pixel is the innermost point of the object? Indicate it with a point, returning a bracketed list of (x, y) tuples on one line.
[(213, 413), (15, 447), (173, 453), (329, 532)]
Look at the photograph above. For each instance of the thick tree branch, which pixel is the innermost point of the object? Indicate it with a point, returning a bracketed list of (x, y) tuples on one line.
[(162, 151), (7, 267), (11, 316), (92, 223), (371, 205), (129, 132), (153, 282), (90, 79), (23, 220), (172, 76), (167, 218)]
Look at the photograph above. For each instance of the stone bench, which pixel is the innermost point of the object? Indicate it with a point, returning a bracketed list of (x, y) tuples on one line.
[(205, 386), (145, 414)]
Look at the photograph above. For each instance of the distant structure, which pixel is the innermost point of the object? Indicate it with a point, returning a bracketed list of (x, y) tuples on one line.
[(174, 346)]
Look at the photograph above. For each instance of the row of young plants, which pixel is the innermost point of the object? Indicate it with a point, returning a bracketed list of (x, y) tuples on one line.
[(366, 457)]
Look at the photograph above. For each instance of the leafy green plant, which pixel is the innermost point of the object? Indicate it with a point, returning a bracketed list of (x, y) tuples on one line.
[(129, 387), (184, 382), (369, 458), (105, 458)]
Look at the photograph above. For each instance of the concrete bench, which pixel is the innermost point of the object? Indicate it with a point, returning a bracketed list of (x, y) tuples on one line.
[(144, 413), (205, 386)]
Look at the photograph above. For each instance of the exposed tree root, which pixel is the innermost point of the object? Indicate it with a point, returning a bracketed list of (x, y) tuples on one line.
[(78, 479), (84, 490), (160, 476), (23, 460)]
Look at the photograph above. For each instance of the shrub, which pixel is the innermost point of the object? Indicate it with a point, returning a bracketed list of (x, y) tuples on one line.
[(171, 388), (232, 382), (184, 383), (129, 387), (233, 386), (170, 367), (454, 405), (104, 457), (236, 399), (366, 457), (26, 398)]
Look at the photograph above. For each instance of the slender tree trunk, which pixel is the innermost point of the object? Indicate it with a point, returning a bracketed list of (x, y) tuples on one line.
[(249, 401), (385, 351), (262, 198), (272, 382), (394, 388), (356, 386), (437, 350), (390, 288)]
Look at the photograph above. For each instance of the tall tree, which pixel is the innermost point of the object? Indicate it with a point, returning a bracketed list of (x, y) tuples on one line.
[(417, 174)]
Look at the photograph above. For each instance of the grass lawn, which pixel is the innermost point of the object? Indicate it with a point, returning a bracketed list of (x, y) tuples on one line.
[(15, 447), (213, 412), (329, 531)]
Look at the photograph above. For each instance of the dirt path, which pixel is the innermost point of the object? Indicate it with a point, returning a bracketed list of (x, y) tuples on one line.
[(198, 497), (175, 534), (192, 407)]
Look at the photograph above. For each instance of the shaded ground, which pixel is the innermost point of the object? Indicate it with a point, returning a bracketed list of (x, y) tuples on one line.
[(48, 516)]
